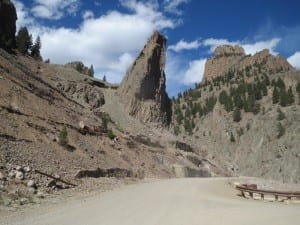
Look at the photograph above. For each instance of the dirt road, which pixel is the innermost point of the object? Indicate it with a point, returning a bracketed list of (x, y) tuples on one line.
[(164, 202)]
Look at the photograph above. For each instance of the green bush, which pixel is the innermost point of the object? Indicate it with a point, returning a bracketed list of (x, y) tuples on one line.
[(237, 115), (110, 134), (105, 120), (63, 136)]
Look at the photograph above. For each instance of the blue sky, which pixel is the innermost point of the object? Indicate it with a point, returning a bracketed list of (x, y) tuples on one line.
[(110, 33)]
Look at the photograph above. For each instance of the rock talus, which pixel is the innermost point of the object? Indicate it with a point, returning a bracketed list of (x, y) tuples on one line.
[(143, 90)]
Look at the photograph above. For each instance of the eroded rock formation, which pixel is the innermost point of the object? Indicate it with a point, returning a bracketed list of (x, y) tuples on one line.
[(233, 58), (143, 90), (8, 17)]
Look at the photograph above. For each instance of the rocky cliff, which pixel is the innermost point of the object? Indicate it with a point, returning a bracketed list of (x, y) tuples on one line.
[(143, 90), (228, 58), (8, 19)]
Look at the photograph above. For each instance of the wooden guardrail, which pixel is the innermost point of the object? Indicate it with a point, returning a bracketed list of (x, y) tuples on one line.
[(252, 189)]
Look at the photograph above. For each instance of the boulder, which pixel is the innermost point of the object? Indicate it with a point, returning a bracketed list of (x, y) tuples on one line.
[(12, 174), (31, 184), (19, 175)]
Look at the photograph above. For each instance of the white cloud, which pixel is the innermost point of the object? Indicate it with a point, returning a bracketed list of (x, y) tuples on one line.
[(250, 48), (171, 6), (54, 9), (88, 15), (195, 72), (23, 17), (258, 46), (294, 60), (149, 10), (183, 45), (213, 43), (109, 42)]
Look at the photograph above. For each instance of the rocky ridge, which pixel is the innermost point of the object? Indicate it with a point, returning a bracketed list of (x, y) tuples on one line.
[(143, 89), (228, 58)]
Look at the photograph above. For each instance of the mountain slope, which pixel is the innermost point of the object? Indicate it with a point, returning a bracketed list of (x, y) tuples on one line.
[(247, 117)]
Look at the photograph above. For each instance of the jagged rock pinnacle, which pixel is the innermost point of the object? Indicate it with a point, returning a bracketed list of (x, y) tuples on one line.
[(143, 90)]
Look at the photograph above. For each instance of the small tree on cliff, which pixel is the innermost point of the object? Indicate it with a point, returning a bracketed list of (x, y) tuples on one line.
[(23, 40), (91, 71), (35, 50)]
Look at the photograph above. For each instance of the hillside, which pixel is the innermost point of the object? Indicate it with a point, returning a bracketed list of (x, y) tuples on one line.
[(244, 114), (69, 125)]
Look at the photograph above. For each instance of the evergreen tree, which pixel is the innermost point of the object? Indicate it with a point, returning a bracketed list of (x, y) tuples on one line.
[(35, 50), (280, 83), (23, 41), (290, 96), (283, 97), (298, 88), (275, 97), (91, 71), (280, 115), (237, 115), (264, 88), (104, 78)]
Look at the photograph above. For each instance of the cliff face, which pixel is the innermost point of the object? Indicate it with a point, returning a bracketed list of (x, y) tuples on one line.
[(228, 58), (143, 90), (8, 17)]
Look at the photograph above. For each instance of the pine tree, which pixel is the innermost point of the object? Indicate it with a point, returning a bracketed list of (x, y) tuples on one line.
[(35, 50), (91, 71), (275, 97), (104, 78), (23, 41), (283, 97), (237, 115), (290, 96)]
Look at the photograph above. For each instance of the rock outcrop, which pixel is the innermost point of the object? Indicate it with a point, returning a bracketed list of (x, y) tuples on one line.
[(79, 66), (8, 17), (91, 95), (143, 90), (233, 58)]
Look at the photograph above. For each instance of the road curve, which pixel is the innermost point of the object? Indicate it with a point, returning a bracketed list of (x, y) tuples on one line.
[(186, 201)]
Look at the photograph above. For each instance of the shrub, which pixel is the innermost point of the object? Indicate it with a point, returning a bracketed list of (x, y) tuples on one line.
[(63, 136), (110, 134), (105, 122), (232, 139), (237, 115), (280, 130), (280, 115)]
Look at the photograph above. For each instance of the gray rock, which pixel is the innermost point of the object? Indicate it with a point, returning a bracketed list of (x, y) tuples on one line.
[(26, 169), (18, 168), (40, 194), (31, 184), (19, 175), (2, 176), (32, 190), (12, 174)]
